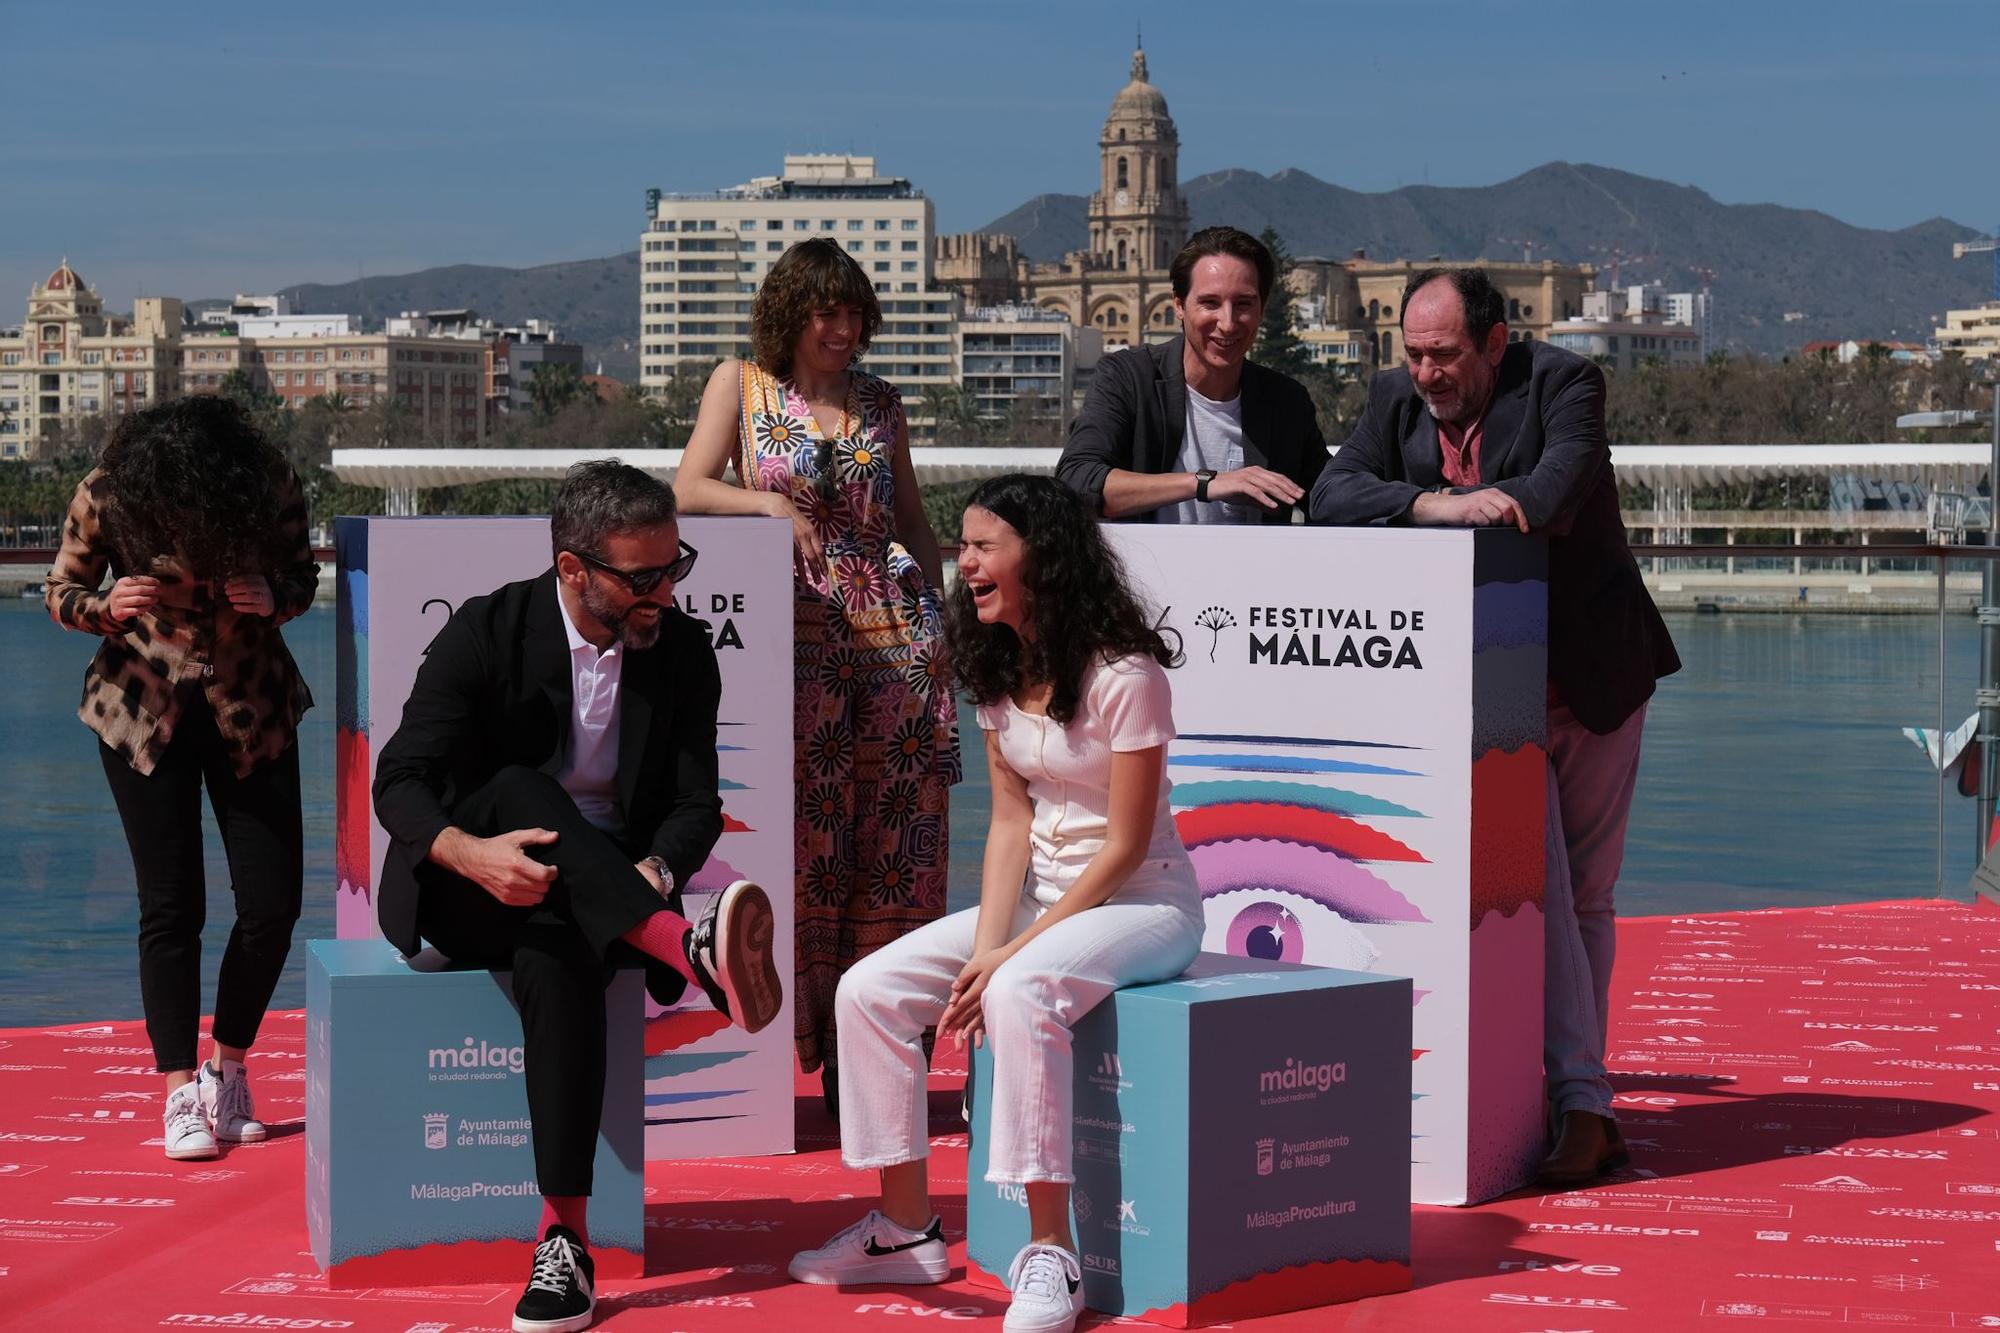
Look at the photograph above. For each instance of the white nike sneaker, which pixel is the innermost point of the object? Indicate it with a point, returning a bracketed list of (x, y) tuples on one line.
[(225, 1100), (876, 1250), (185, 1128), (1048, 1290)]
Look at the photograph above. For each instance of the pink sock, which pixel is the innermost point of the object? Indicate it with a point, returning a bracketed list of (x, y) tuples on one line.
[(659, 936), (568, 1210)]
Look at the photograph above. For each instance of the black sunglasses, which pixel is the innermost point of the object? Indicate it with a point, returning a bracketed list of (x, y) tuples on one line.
[(643, 581)]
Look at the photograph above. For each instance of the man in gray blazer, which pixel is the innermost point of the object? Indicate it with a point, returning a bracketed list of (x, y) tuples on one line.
[(1480, 431), (1192, 431)]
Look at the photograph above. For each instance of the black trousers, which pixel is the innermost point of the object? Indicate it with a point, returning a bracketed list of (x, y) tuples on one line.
[(264, 840), (562, 952)]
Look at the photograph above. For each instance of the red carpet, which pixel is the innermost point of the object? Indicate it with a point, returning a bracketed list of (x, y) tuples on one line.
[(1809, 1095)]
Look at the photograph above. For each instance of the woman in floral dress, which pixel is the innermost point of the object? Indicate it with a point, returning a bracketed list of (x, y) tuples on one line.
[(825, 445)]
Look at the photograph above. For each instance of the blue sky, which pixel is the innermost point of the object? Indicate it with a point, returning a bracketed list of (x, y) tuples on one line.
[(198, 150)]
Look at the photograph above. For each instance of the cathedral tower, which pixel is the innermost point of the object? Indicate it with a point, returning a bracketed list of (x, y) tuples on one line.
[(1138, 219)]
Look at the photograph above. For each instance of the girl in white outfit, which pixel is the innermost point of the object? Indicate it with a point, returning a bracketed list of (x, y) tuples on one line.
[(1085, 888)]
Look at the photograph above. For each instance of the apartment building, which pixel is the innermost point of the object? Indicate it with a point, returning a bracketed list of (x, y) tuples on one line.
[(703, 256), (1974, 334), (1014, 354)]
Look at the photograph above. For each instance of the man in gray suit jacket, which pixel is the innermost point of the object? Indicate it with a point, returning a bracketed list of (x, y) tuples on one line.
[(1480, 431), (1192, 431)]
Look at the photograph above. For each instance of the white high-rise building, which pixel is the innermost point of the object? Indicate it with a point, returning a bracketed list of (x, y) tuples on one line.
[(703, 256), (1694, 309)]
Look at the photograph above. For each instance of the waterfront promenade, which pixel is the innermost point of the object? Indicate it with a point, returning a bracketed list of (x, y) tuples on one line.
[(1812, 1097)]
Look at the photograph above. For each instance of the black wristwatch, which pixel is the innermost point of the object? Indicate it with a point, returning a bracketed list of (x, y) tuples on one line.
[(1201, 480)]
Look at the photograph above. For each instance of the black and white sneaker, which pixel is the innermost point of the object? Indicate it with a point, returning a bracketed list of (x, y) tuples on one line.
[(1048, 1291), (562, 1295), (875, 1250), (730, 948)]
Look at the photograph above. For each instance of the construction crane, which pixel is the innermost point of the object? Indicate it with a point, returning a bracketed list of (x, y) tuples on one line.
[(1960, 249), (1617, 257)]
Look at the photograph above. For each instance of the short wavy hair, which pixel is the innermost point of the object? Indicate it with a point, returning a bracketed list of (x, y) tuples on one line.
[(812, 275), (1083, 606), (601, 497), (195, 478)]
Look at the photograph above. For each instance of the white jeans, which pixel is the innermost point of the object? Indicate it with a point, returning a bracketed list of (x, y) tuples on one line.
[(1150, 930)]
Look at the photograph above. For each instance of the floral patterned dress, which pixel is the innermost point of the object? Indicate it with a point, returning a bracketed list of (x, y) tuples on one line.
[(876, 742)]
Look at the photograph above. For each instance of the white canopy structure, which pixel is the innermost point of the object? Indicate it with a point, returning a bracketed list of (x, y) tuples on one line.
[(1673, 471), (1638, 464)]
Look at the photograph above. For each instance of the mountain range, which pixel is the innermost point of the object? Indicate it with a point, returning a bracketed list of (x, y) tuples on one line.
[(1831, 279), (1781, 276)]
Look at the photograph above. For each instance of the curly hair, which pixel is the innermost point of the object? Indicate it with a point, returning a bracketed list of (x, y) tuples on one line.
[(1082, 606), (812, 275), (193, 478)]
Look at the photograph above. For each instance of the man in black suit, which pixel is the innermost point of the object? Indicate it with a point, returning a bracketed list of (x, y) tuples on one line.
[(1475, 431), (1191, 431), (551, 787)]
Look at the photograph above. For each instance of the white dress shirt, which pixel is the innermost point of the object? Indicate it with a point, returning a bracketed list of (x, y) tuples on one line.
[(589, 772)]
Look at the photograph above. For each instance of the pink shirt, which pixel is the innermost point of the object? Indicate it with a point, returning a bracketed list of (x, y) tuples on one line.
[(1461, 452), (1125, 705)]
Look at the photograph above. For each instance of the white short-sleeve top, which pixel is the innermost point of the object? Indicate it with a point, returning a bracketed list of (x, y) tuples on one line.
[(1124, 705)]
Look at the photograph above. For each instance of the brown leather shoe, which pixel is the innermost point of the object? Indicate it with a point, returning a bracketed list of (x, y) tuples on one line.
[(1587, 1147)]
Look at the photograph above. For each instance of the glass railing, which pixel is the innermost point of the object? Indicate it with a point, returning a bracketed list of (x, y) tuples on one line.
[(1775, 771)]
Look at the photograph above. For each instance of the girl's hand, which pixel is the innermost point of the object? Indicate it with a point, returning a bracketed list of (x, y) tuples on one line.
[(964, 1016), (131, 595), (250, 594)]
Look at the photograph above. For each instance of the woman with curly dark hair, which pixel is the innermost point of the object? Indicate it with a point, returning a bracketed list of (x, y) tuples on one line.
[(203, 527), (1085, 888), (823, 444)]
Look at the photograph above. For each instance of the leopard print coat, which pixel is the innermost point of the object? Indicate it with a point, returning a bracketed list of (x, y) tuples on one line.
[(192, 643)]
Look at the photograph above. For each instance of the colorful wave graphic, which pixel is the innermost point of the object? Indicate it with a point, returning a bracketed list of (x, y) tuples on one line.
[(1334, 799), (1284, 763), (1509, 805), (353, 863), (677, 1028), (1266, 865), (714, 876), (1299, 824), (1290, 846)]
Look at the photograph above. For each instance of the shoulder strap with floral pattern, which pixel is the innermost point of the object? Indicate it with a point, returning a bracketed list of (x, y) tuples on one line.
[(761, 393)]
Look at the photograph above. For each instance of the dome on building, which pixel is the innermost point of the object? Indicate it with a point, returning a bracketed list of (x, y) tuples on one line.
[(63, 279), (1139, 98)]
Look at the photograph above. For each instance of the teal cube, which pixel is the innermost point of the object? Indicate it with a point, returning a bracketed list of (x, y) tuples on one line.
[(1241, 1137), (420, 1167)]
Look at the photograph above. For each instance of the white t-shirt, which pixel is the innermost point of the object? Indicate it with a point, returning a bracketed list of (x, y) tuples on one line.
[(1212, 438), (1124, 705), (589, 772)]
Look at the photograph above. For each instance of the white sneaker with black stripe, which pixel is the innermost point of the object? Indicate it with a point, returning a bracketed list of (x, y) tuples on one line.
[(876, 1250), (561, 1297), (1047, 1283)]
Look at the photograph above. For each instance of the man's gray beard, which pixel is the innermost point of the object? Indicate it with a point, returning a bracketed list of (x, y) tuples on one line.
[(626, 631)]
